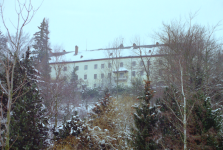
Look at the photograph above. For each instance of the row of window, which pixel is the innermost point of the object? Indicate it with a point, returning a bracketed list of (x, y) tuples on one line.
[(95, 76), (109, 75), (121, 75), (109, 65)]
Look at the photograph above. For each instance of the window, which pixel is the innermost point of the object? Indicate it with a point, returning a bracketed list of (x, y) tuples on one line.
[(65, 69), (141, 73), (50, 69), (109, 65), (85, 67), (102, 66), (121, 75), (121, 64), (109, 75), (77, 67), (65, 78), (160, 62), (94, 85), (95, 66), (141, 63), (85, 76), (133, 73), (134, 63), (149, 51), (95, 76), (102, 75)]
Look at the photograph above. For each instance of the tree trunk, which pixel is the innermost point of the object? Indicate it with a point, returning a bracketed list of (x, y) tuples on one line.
[(185, 110), (56, 113)]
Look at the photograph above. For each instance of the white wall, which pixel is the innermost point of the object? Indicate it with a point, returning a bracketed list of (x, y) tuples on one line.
[(91, 71)]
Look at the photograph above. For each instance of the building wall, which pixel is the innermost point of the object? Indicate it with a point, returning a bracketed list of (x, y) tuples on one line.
[(95, 77)]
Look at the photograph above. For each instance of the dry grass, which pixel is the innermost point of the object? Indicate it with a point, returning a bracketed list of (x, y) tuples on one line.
[(108, 130)]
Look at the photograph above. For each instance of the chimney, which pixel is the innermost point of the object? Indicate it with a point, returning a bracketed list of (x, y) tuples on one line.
[(157, 43), (76, 50), (64, 51), (134, 45), (121, 46)]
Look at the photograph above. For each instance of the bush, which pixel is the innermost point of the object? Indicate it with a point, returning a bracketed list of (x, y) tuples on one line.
[(108, 126)]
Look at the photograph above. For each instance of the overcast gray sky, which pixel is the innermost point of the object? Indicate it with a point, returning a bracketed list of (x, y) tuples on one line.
[(93, 24)]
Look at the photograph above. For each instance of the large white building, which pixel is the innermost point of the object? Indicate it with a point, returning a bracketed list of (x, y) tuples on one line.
[(107, 67)]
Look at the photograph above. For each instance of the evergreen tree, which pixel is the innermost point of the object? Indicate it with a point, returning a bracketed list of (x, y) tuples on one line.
[(27, 129), (42, 49), (70, 127), (204, 124), (74, 78), (145, 122), (170, 126)]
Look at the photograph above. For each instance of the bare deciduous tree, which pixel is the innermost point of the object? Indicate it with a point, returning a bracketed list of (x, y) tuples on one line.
[(187, 65), (25, 13), (114, 55)]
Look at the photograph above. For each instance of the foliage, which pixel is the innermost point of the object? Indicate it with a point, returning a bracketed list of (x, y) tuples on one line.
[(108, 126), (137, 86), (27, 126), (144, 134), (204, 123), (3, 45), (70, 127), (90, 93), (42, 49), (120, 89), (74, 76), (170, 126)]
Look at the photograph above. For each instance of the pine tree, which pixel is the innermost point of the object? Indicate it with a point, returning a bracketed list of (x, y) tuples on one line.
[(169, 126), (71, 127), (42, 49), (74, 79), (27, 122), (204, 124), (145, 122)]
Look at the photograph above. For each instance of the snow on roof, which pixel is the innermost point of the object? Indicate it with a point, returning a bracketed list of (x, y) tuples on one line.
[(104, 54)]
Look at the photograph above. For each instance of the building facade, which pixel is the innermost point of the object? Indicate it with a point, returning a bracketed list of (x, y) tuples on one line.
[(109, 67)]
